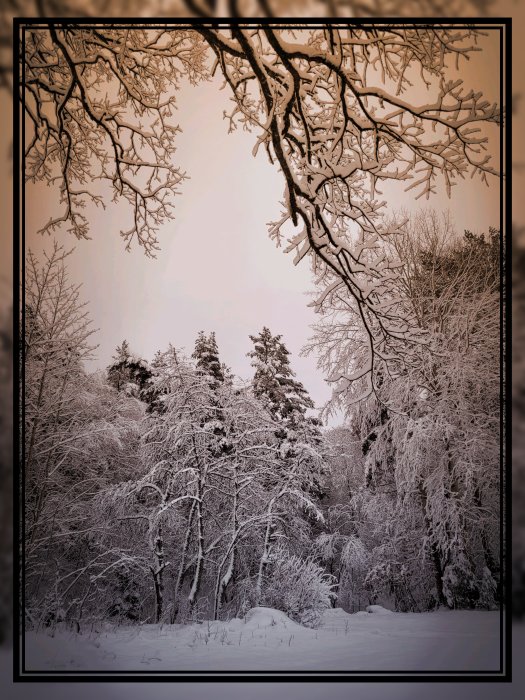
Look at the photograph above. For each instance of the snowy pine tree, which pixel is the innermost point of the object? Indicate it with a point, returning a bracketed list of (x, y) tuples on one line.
[(128, 372), (206, 355), (298, 437), (287, 400), (274, 381)]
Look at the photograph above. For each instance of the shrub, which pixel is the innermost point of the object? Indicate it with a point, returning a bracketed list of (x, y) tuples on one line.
[(299, 587)]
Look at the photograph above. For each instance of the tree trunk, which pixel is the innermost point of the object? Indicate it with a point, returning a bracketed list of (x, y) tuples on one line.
[(182, 569), (434, 551), (157, 575), (42, 493), (490, 562), (222, 583), (200, 549), (265, 555)]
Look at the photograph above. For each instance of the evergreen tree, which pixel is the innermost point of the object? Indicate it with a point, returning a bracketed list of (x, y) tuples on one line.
[(299, 436), (163, 367), (128, 372), (274, 382), (206, 355), (287, 400), (210, 368)]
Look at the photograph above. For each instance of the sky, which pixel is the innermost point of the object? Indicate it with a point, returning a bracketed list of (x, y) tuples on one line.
[(217, 269)]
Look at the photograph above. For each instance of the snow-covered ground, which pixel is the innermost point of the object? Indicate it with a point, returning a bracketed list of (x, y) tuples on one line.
[(267, 639)]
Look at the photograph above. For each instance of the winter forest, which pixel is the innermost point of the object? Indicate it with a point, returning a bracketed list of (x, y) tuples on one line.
[(166, 498)]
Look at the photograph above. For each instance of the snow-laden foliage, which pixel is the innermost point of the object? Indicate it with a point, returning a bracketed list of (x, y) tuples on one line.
[(273, 379), (206, 356), (170, 491), (182, 508), (427, 502), (299, 587), (332, 106), (169, 485), (128, 373)]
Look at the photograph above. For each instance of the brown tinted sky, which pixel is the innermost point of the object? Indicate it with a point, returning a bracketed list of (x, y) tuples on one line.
[(217, 269)]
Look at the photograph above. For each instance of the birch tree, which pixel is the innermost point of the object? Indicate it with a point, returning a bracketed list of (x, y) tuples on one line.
[(56, 339)]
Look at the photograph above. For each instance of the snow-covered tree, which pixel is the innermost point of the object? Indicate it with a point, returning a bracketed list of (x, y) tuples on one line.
[(299, 587), (274, 380), (57, 331), (454, 423), (288, 401), (298, 436), (430, 436), (206, 356), (97, 446), (80, 435), (128, 372), (191, 476)]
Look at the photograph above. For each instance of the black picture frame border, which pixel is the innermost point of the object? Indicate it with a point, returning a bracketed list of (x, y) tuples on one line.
[(20, 672)]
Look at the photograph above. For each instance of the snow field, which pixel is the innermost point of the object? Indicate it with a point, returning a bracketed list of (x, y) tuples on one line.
[(266, 639)]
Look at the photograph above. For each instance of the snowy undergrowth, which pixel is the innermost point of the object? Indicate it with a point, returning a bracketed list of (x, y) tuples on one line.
[(267, 639)]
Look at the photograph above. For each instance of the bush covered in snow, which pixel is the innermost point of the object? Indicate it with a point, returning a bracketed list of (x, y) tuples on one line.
[(299, 587)]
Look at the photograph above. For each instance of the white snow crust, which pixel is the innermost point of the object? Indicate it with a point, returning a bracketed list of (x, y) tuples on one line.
[(266, 639)]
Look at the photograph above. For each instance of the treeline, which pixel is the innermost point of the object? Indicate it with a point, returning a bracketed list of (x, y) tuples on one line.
[(169, 491), (165, 491)]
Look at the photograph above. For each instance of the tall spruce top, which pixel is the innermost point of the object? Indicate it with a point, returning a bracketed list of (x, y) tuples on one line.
[(274, 378), (128, 372), (206, 354)]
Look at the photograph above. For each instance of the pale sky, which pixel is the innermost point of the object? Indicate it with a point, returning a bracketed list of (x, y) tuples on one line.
[(217, 269)]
